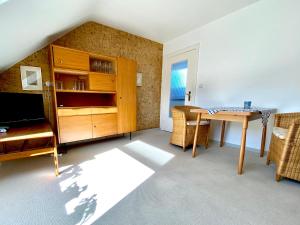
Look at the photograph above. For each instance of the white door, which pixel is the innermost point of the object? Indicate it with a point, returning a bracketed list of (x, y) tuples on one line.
[(178, 84)]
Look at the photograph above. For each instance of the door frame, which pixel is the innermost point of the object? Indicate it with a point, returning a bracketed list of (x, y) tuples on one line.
[(166, 79)]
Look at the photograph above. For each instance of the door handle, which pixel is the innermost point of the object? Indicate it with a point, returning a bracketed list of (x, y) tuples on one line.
[(189, 95)]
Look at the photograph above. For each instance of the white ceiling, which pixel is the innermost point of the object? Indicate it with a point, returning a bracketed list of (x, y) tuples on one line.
[(29, 25)]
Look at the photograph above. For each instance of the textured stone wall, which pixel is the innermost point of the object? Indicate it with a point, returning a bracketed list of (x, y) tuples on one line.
[(104, 40)]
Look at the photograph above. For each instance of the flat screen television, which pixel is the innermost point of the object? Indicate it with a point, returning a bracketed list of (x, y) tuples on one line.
[(18, 109)]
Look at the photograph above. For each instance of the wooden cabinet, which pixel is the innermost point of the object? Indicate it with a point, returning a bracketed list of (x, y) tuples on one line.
[(75, 128), (102, 82), (84, 123), (104, 125), (126, 95), (69, 58), (94, 95)]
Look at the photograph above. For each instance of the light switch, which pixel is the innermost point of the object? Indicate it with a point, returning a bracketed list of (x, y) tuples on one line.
[(139, 79)]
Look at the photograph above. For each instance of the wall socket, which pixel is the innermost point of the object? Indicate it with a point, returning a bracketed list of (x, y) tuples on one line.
[(200, 85)]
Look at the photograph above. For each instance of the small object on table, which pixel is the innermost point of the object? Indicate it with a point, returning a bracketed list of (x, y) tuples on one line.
[(247, 104), (3, 129)]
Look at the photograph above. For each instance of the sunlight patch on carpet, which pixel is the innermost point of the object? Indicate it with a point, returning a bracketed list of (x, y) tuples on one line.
[(154, 154), (99, 184)]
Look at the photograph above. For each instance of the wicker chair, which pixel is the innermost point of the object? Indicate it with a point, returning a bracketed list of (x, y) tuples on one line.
[(285, 146), (184, 126)]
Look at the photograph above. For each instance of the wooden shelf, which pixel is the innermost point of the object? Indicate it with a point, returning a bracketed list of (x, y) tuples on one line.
[(79, 72), (79, 107), (86, 91), (70, 71), (25, 154), (88, 110), (42, 130), (25, 135), (104, 57), (100, 73)]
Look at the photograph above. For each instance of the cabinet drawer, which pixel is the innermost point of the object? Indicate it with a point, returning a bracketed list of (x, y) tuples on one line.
[(74, 112), (69, 58), (75, 128), (104, 110), (104, 125), (102, 82)]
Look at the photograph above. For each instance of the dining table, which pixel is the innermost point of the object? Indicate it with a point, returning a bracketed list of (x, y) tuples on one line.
[(234, 114)]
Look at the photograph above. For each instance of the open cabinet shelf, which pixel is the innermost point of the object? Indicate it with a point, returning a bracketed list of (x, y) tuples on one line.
[(70, 71), (86, 91), (71, 99)]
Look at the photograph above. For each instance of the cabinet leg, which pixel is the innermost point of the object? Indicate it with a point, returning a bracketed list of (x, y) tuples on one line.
[(130, 136), (63, 149), (55, 156)]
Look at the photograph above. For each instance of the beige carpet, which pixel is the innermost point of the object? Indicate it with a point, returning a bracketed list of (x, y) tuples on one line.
[(145, 181)]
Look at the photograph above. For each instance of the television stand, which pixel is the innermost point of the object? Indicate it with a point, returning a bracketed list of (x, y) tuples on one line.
[(36, 131)]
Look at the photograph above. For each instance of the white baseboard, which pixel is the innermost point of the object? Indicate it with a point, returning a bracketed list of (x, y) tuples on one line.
[(238, 146)]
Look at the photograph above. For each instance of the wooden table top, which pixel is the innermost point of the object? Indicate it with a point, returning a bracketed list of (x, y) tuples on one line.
[(42, 130), (234, 116), (235, 113)]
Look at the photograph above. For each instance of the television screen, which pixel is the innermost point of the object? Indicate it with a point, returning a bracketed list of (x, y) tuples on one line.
[(20, 109)]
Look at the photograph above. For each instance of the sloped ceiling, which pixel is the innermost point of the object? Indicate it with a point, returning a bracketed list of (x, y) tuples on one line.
[(28, 25)]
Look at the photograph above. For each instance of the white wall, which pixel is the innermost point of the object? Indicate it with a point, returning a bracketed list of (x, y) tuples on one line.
[(252, 54)]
